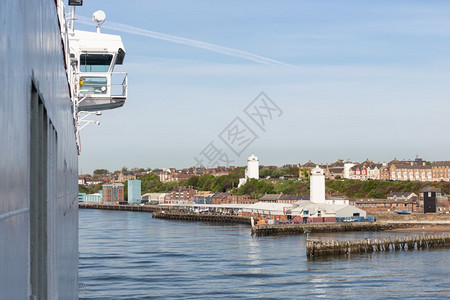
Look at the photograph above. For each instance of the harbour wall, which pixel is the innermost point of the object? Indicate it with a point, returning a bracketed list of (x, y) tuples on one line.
[(316, 248), (266, 229), (201, 217), (143, 208)]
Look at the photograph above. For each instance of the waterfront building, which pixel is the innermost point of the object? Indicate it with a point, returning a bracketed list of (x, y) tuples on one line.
[(81, 197), (378, 205), (221, 198), (203, 197), (154, 198), (94, 198), (180, 195), (134, 191), (428, 198), (403, 196), (113, 193)]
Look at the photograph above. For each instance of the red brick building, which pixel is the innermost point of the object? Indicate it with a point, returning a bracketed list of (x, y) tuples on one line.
[(371, 205), (181, 195), (113, 193)]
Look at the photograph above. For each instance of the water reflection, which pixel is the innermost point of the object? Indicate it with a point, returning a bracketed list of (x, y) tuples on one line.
[(126, 255)]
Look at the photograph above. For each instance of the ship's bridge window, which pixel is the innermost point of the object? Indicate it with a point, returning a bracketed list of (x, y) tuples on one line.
[(95, 62)]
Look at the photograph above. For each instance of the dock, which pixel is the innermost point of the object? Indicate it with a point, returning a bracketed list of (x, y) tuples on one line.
[(317, 248), (290, 229), (142, 208), (201, 217)]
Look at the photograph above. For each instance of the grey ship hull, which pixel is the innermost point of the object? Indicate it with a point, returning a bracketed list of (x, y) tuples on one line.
[(38, 157)]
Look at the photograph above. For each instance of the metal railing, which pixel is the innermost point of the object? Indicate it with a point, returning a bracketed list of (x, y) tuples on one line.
[(103, 85)]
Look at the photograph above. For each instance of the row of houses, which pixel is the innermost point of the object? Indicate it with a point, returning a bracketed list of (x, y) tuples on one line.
[(186, 195), (165, 175), (412, 170)]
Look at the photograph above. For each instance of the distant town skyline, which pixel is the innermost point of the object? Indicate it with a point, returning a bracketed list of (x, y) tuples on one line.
[(300, 164), (353, 80)]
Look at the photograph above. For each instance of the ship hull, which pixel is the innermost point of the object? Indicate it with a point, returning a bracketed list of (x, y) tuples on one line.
[(38, 157)]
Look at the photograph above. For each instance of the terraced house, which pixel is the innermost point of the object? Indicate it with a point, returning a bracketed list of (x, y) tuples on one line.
[(366, 170), (440, 171), (417, 170)]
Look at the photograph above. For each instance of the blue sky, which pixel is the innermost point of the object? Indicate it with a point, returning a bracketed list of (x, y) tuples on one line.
[(358, 80)]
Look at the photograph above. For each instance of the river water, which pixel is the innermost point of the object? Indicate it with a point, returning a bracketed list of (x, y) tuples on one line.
[(130, 255)]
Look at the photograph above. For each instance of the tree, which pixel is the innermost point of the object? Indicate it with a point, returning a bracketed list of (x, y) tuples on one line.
[(256, 188), (100, 172)]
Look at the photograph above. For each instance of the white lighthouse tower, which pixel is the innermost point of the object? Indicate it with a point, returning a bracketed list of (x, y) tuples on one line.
[(252, 170), (317, 185)]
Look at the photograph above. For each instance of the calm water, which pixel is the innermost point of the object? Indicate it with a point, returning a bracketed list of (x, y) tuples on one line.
[(130, 255)]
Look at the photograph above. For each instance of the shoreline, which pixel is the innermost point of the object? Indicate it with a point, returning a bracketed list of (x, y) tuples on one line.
[(389, 223)]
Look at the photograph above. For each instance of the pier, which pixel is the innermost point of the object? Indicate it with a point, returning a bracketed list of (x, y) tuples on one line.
[(142, 208), (201, 217), (289, 229), (316, 248)]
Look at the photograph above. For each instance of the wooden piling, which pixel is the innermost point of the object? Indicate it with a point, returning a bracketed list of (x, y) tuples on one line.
[(317, 248)]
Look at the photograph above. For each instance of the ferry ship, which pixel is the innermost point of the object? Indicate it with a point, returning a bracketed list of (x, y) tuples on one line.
[(53, 76)]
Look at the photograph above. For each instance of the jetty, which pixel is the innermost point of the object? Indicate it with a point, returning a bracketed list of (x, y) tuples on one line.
[(123, 207), (290, 229), (318, 248), (184, 216)]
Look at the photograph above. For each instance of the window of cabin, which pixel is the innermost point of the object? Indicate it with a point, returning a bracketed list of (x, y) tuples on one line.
[(95, 62)]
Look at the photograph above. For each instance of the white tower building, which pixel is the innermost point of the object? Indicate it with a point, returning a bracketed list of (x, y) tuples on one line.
[(317, 185), (252, 170)]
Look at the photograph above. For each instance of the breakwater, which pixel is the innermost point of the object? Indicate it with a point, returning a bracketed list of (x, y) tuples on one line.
[(316, 248), (201, 217), (266, 229)]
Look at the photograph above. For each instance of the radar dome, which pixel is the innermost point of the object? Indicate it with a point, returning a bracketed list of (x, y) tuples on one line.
[(99, 16)]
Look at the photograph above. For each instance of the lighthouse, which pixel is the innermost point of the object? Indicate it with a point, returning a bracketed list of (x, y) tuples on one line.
[(252, 170), (317, 185)]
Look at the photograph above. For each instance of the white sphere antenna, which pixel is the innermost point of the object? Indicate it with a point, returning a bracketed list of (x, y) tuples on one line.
[(99, 16)]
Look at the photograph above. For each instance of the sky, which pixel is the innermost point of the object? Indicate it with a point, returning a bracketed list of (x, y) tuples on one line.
[(341, 79)]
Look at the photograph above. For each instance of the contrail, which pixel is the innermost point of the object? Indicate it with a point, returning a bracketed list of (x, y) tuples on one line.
[(189, 42)]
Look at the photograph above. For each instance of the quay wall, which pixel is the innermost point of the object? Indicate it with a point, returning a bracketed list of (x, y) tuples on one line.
[(418, 217), (266, 229), (316, 248), (143, 208), (201, 217)]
